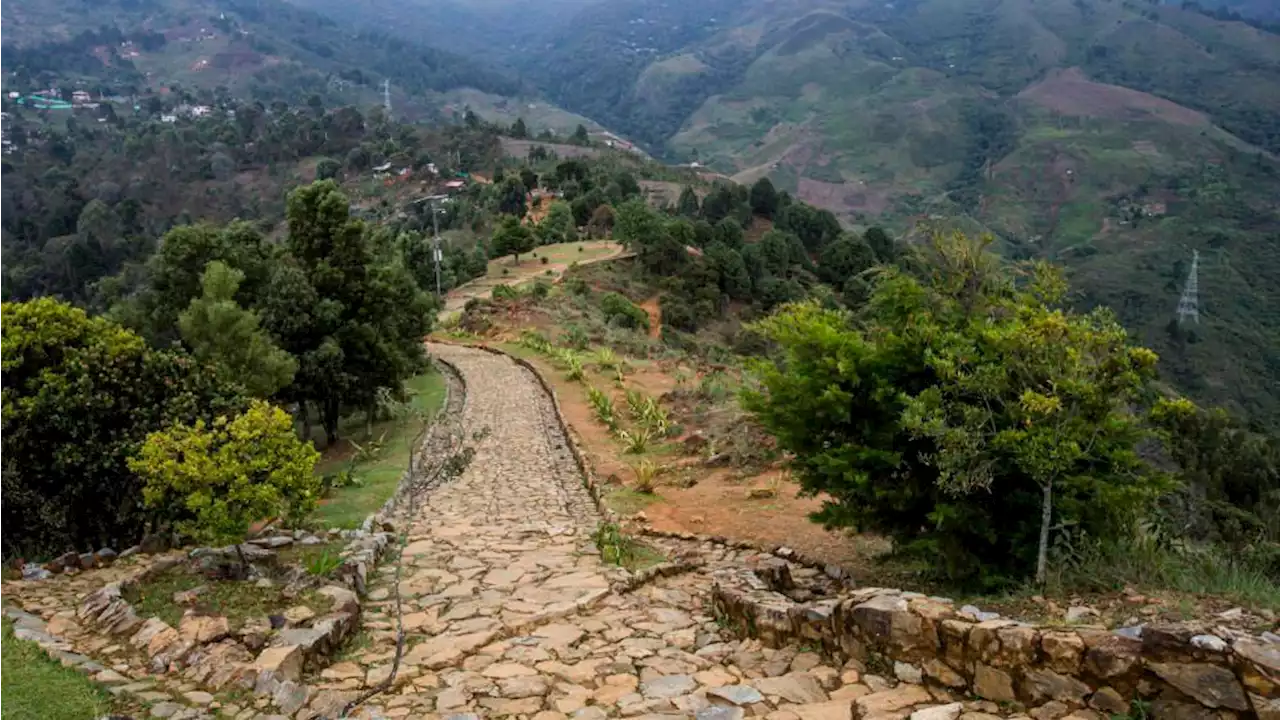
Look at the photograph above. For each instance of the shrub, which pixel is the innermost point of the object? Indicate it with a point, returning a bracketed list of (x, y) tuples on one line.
[(575, 337), (80, 395), (545, 260), (538, 289), (211, 481), (636, 440), (505, 292), (620, 311), (576, 286), (646, 472)]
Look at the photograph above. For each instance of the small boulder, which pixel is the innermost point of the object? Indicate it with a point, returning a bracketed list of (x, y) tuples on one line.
[(106, 556), (1080, 613), (939, 712)]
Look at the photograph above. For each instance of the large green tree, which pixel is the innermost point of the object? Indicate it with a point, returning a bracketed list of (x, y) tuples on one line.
[(348, 311), (967, 417)]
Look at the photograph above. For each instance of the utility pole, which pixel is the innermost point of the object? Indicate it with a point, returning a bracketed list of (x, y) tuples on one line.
[(386, 97), (436, 253), (1189, 303)]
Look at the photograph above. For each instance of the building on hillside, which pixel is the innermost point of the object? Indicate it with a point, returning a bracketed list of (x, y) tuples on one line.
[(80, 97), (169, 118)]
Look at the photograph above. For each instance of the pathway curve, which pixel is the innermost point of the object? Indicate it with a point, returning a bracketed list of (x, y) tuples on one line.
[(509, 610)]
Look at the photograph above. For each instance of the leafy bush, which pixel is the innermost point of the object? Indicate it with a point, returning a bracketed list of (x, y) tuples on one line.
[(545, 260), (646, 411), (505, 292), (575, 337), (80, 395), (576, 285), (620, 311), (535, 341), (646, 472), (212, 481), (969, 417)]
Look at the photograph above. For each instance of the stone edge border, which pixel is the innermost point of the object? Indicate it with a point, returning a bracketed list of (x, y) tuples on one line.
[(1183, 669)]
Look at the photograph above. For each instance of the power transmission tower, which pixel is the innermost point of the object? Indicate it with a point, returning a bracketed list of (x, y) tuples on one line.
[(1189, 303), (386, 96)]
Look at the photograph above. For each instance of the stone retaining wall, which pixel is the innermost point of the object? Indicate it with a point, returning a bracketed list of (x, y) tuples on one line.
[(1187, 671)]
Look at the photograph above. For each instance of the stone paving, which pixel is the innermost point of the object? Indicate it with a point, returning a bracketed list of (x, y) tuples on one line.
[(509, 611)]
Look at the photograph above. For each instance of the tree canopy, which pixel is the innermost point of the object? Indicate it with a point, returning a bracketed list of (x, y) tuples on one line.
[(966, 417)]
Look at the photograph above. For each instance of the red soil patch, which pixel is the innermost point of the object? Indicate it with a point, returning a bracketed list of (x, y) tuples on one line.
[(1071, 93), (718, 505), (655, 316)]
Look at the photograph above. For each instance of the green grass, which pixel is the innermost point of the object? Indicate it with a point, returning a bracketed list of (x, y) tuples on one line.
[(36, 687), (236, 600), (377, 477), (626, 501)]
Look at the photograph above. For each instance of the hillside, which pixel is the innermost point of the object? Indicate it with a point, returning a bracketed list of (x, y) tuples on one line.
[(1113, 137), (263, 50)]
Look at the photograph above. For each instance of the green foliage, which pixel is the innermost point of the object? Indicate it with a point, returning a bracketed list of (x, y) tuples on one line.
[(687, 205), (502, 291), (579, 136), (968, 417), (648, 413), (646, 472), (602, 405), (622, 312), (354, 320), (615, 547), (512, 238), (213, 481), (764, 198), (845, 259), (324, 563), (815, 228), (558, 226), (81, 393), (536, 342), (38, 687), (220, 331), (518, 129), (635, 440), (328, 169), (1230, 475)]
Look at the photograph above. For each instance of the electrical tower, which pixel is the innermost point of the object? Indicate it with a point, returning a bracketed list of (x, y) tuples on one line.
[(386, 96), (1189, 303)]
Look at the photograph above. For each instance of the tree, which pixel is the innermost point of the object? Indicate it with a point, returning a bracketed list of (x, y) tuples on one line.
[(730, 233), (354, 321), (518, 129), (687, 205), (843, 259), (764, 198), (558, 225), (220, 331), (512, 238), (967, 418), (211, 481), (601, 222), (513, 198), (881, 244), (635, 223), (328, 169), (814, 227), (580, 136), (80, 394)]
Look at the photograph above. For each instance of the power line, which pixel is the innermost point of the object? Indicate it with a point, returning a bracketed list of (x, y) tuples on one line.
[(1189, 303)]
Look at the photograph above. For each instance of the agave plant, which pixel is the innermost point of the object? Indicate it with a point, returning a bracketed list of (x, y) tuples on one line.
[(646, 472), (607, 359), (635, 441), (602, 404)]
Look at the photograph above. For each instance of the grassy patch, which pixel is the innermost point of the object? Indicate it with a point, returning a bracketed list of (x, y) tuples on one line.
[(376, 477), (618, 548), (238, 601), (36, 687), (626, 501)]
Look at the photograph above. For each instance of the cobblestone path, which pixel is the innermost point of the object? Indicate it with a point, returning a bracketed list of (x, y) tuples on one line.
[(509, 611)]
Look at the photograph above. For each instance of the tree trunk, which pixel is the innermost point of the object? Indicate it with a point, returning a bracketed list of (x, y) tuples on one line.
[(244, 563), (330, 420), (1046, 516), (306, 421), (368, 421)]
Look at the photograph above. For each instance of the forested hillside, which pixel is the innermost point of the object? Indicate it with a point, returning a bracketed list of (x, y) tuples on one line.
[(257, 49)]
